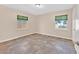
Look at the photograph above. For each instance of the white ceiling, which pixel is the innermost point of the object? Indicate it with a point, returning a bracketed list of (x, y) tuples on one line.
[(30, 8)]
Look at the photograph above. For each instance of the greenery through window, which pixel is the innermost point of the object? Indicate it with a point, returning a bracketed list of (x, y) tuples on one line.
[(61, 21)]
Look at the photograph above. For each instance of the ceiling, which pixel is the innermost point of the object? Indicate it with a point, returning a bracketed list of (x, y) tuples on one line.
[(31, 8)]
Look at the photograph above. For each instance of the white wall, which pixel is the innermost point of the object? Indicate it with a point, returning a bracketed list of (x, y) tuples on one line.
[(75, 28), (8, 24), (47, 24), (77, 23), (43, 24)]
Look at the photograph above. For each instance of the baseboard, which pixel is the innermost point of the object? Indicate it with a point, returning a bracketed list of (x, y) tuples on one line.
[(55, 36), (14, 38), (31, 34)]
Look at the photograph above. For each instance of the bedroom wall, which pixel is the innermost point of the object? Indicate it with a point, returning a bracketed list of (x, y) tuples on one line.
[(8, 24), (43, 24), (76, 27), (47, 24)]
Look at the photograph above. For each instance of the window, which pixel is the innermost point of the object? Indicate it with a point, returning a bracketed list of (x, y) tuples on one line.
[(21, 21), (61, 21)]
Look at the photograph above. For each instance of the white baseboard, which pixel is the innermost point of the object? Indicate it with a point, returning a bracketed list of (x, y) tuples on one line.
[(14, 38), (30, 34), (55, 36)]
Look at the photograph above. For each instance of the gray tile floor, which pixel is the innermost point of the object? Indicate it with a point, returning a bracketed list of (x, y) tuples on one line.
[(38, 44)]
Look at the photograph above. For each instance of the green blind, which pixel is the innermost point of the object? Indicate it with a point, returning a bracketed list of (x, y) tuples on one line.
[(62, 17), (19, 17)]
